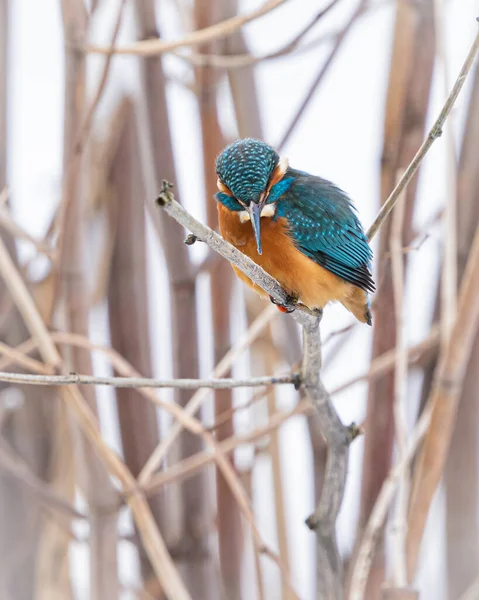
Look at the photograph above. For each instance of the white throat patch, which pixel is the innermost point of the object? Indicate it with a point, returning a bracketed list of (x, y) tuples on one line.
[(268, 211)]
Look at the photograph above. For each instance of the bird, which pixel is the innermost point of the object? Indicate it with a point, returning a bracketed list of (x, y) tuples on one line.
[(301, 229)]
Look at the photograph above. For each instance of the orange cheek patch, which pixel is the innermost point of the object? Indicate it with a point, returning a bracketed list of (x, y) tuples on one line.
[(278, 173)]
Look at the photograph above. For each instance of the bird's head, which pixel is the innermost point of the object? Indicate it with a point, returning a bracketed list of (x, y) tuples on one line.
[(247, 171)]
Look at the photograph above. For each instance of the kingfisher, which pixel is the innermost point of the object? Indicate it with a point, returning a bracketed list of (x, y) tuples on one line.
[(301, 229)]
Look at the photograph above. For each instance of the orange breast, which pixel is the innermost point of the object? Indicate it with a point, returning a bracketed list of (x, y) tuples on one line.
[(300, 276)]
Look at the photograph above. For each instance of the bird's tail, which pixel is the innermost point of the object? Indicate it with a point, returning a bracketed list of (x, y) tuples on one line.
[(358, 303)]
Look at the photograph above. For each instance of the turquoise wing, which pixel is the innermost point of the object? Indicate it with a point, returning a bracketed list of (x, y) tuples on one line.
[(325, 227)]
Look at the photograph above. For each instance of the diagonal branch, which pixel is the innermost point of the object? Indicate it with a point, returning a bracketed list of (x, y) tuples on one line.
[(338, 437), (434, 133)]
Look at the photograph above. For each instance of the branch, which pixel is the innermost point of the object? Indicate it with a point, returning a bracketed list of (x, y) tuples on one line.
[(189, 466), (143, 382), (338, 437), (434, 133), (234, 61), (341, 37), (155, 47), (217, 243)]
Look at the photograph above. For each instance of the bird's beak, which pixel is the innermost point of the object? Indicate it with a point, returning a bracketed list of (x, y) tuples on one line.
[(254, 210)]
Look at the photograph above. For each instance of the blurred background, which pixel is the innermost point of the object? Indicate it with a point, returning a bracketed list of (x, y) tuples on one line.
[(346, 89)]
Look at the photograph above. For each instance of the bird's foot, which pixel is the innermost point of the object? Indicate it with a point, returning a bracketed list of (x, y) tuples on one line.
[(297, 380), (288, 307), (369, 317), (354, 431)]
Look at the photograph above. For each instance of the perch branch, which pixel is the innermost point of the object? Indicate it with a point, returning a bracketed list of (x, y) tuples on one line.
[(338, 437), (434, 133)]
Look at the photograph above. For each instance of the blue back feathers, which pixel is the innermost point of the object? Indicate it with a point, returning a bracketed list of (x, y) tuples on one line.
[(245, 167), (324, 226)]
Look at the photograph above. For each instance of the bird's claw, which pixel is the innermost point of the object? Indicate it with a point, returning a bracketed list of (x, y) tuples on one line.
[(354, 431), (297, 380), (369, 318), (288, 307)]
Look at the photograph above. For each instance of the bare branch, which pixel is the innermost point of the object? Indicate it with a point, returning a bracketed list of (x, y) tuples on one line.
[(156, 46), (197, 399), (338, 437), (217, 243), (143, 382), (434, 133), (234, 61), (341, 37)]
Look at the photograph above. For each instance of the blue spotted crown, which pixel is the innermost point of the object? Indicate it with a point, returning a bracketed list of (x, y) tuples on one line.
[(245, 167)]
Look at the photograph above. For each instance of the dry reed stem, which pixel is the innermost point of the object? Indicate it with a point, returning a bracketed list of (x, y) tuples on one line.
[(444, 398), (163, 565), (448, 280), (195, 427), (437, 416), (196, 401), (27, 308), (379, 366), (9, 225), (154, 47), (19, 469), (380, 510), (462, 537), (400, 395), (21, 359)]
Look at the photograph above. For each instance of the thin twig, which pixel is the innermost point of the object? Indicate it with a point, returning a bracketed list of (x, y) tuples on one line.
[(17, 468), (7, 223), (25, 361), (151, 537), (444, 398), (88, 120), (374, 526), (142, 382), (27, 307), (155, 47), (448, 281), (379, 366), (434, 133), (322, 72), (188, 422), (197, 399), (243, 60)]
